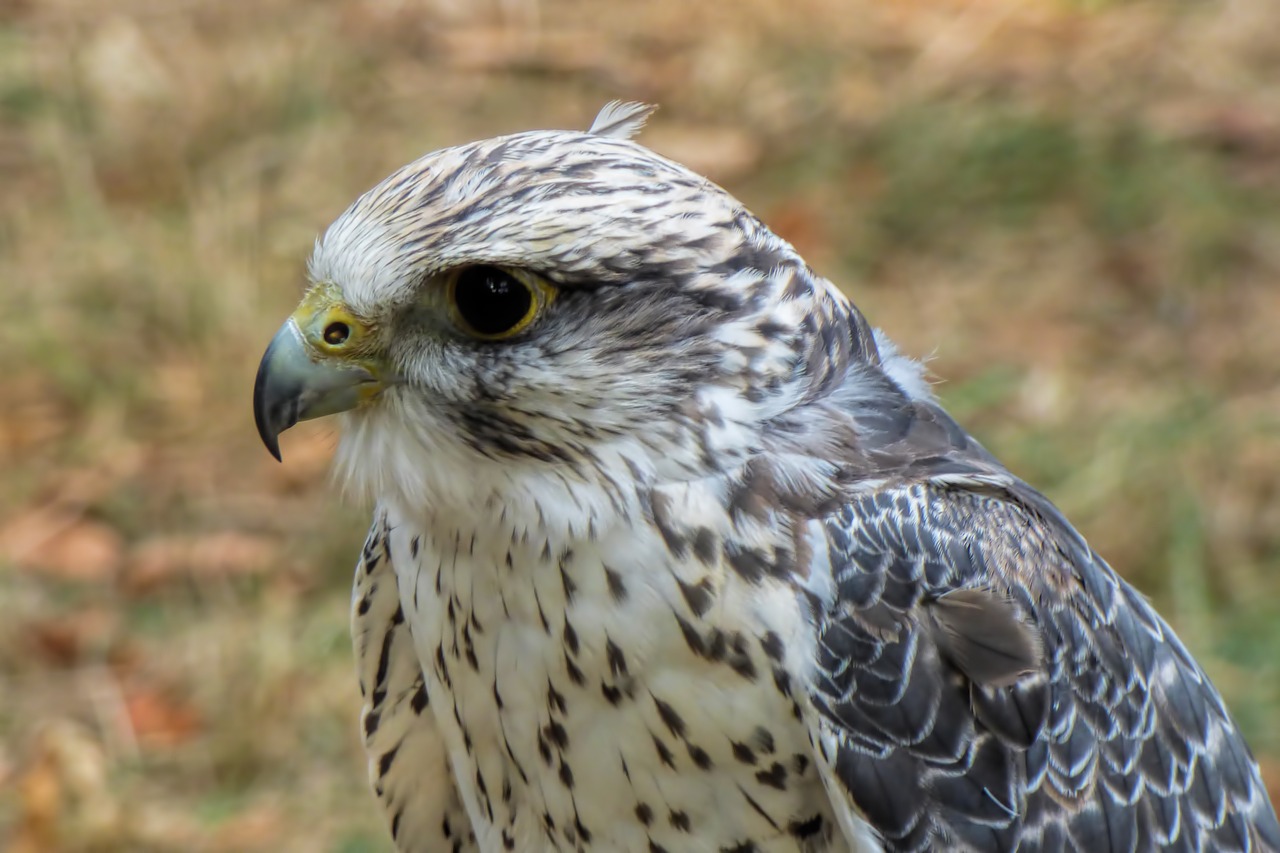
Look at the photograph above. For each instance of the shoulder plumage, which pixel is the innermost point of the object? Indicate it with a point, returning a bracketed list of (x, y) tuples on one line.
[(984, 680)]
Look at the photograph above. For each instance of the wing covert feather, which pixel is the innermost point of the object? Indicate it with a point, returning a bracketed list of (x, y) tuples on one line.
[(991, 684)]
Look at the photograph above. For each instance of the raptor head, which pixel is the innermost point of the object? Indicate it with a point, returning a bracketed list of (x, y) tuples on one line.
[(553, 315)]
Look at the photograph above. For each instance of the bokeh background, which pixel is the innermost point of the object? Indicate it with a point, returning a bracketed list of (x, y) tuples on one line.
[(1071, 207)]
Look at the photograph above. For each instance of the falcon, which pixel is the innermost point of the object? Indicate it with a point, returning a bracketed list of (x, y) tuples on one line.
[(673, 551)]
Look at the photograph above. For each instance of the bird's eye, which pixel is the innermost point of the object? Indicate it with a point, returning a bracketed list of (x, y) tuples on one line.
[(491, 303)]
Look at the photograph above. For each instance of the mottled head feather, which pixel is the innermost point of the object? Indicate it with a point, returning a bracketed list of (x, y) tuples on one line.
[(687, 338), (622, 119)]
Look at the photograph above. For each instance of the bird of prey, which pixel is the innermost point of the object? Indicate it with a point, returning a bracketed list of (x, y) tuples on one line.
[(673, 551)]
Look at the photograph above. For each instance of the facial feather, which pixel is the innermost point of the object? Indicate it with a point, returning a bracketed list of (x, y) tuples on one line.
[(685, 331)]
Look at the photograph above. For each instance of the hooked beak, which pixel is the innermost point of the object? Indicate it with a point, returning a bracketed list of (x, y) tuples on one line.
[(296, 384)]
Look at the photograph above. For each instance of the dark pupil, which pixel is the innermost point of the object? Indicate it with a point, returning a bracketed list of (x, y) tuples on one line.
[(490, 300)]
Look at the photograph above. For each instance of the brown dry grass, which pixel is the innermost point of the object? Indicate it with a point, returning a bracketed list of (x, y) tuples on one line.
[(1072, 205)]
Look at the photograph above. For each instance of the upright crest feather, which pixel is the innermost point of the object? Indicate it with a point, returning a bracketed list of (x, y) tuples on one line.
[(622, 119)]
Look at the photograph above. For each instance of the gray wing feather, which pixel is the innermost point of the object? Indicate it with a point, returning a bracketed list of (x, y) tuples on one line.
[(989, 683), (408, 767)]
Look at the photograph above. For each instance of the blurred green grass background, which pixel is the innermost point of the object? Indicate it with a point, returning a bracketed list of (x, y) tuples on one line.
[(1071, 208)]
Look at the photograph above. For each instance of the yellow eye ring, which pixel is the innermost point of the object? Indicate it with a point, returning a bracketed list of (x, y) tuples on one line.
[(494, 304)]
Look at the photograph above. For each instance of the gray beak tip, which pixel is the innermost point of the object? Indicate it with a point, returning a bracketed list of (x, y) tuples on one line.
[(273, 446), (273, 412), (291, 386)]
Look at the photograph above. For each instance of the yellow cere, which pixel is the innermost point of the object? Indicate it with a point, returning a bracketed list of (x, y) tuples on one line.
[(328, 325)]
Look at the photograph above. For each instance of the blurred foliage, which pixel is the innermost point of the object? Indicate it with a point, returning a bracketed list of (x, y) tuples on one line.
[(1071, 207)]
